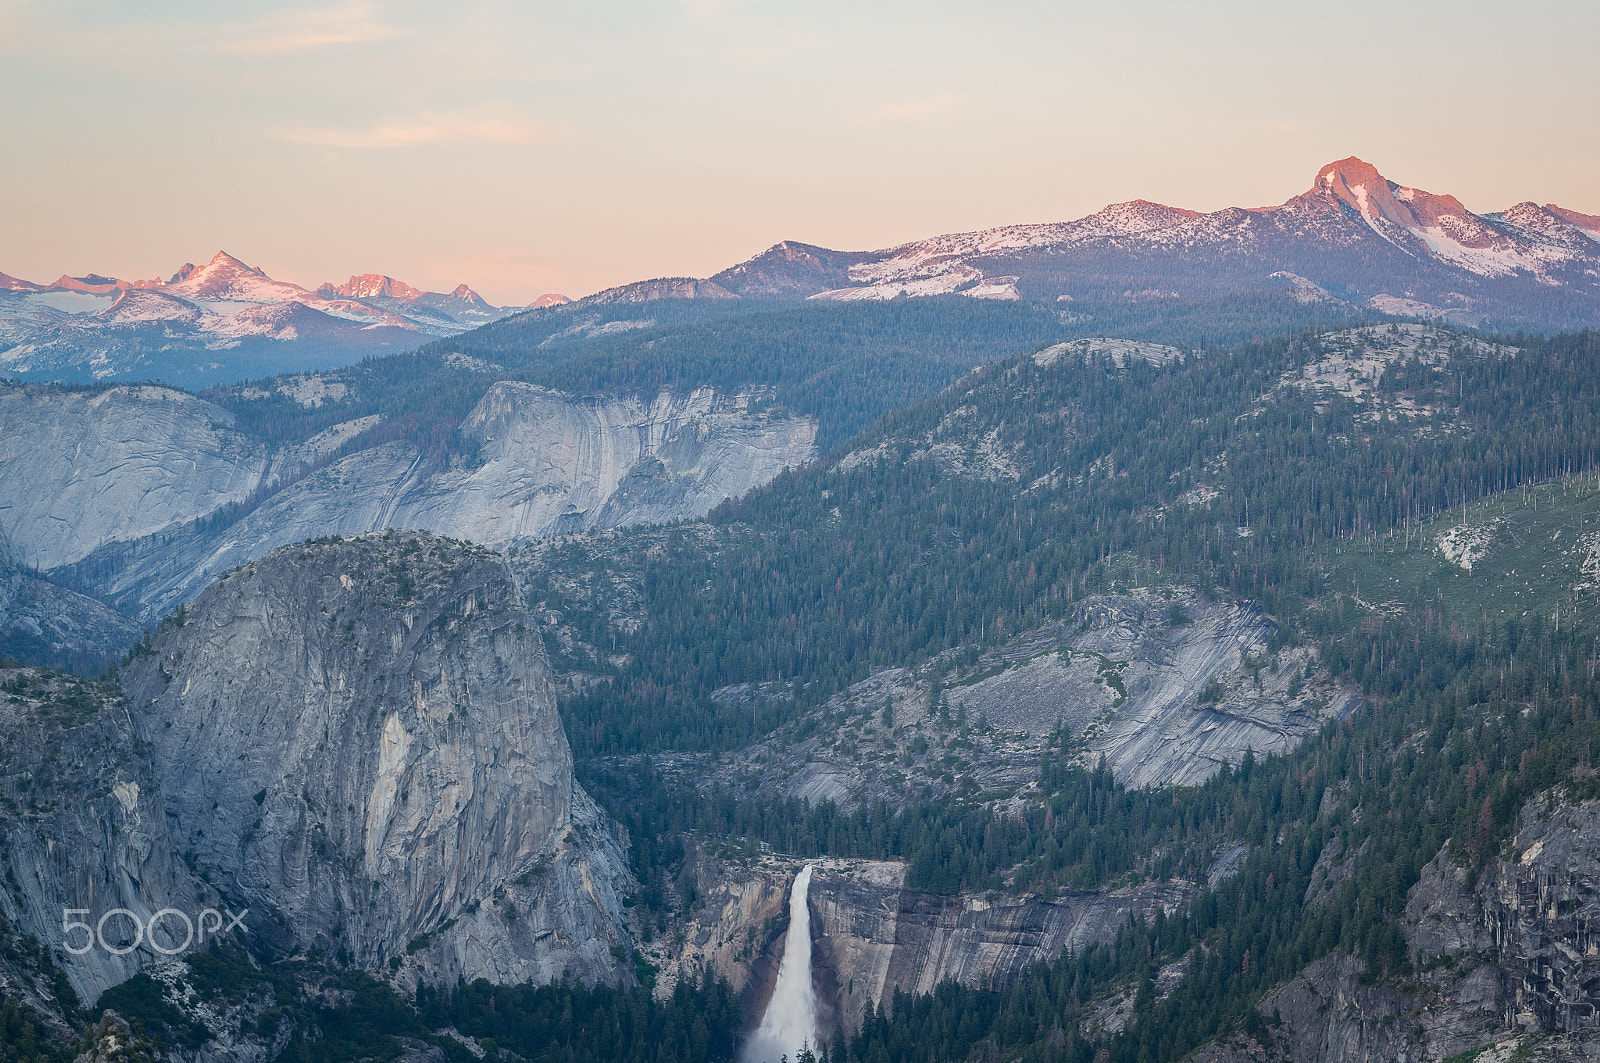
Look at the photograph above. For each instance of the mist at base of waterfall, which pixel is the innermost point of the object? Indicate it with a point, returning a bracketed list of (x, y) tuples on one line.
[(790, 1021)]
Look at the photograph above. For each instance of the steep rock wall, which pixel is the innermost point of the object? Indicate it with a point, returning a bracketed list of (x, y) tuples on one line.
[(82, 469), (1507, 967), (359, 740), (549, 463), (83, 831), (872, 936)]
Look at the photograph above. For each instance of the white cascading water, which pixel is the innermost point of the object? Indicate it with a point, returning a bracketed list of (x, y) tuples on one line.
[(791, 1017)]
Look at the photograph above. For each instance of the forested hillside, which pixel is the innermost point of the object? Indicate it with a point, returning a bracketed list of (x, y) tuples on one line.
[(1330, 483), (846, 365), (1413, 510), (962, 521)]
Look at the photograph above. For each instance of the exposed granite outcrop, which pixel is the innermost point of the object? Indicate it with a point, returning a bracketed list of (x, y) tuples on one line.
[(1506, 967), (80, 469), (736, 927), (1444, 915), (1541, 912), (1166, 703), (872, 936), (1167, 689), (358, 740)]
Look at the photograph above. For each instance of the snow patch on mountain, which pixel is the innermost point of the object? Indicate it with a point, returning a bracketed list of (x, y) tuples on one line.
[(105, 327)]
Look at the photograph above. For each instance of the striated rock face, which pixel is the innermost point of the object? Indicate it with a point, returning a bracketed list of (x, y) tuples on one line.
[(1167, 703), (82, 830), (874, 937), (82, 469), (359, 740), (871, 936), (43, 623), (736, 928), (556, 464), (550, 463), (1541, 912)]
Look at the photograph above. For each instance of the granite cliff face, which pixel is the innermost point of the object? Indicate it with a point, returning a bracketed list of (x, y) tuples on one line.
[(872, 937), (79, 469), (83, 832), (358, 740), (547, 463), (1507, 966)]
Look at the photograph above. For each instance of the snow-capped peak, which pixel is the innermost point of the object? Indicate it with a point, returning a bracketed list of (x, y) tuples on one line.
[(227, 278)]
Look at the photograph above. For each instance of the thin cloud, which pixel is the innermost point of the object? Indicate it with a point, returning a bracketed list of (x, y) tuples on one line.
[(491, 124), (355, 22), (924, 109)]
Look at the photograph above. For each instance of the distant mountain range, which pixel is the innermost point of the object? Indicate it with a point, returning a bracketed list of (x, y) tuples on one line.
[(219, 321), (1354, 235)]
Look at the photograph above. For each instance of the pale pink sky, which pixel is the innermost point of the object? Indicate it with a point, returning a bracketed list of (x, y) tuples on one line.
[(525, 148)]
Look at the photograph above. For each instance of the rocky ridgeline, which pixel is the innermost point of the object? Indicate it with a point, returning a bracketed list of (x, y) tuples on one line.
[(1510, 962)]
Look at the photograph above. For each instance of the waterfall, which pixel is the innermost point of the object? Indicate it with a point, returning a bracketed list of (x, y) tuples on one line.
[(791, 1016)]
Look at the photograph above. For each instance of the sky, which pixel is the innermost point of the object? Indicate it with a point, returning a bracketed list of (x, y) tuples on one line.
[(529, 147)]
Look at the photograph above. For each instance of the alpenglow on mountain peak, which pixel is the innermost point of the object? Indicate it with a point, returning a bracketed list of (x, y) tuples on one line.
[(175, 329), (1354, 235)]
